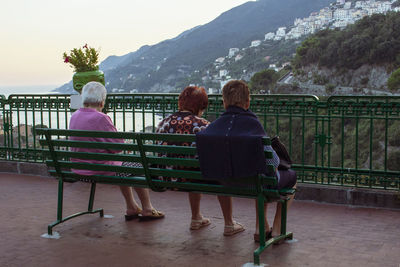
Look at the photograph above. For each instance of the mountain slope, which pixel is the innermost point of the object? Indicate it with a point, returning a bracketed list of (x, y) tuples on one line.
[(361, 55), (161, 66)]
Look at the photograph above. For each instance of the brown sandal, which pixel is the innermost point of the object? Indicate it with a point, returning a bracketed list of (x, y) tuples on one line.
[(133, 216), (155, 215), (268, 235)]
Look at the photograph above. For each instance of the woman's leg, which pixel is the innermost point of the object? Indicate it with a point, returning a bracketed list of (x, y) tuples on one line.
[(276, 228), (194, 200), (267, 227), (132, 207), (198, 221), (144, 196), (226, 206), (231, 227), (288, 179)]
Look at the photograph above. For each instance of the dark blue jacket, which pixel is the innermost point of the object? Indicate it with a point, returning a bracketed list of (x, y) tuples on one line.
[(232, 146)]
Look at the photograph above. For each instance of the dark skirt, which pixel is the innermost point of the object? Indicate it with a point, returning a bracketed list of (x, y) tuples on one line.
[(288, 179)]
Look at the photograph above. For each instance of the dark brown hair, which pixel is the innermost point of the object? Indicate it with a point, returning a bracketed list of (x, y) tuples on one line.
[(193, 99), (236, 93)]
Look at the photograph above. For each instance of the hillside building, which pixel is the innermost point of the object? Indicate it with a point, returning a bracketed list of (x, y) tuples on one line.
[(298, 22), (281, 32), (255, 43), (360, 4), (341, 23), (223, 73), (220, 60), (238, 57), (341, 14), (347, 5), (326, 13), (269, 36), (232, 52)]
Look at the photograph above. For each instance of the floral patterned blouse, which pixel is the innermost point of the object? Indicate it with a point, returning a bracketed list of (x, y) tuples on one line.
[(182, 123)]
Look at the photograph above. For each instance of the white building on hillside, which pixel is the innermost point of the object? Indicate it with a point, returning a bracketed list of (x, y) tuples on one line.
[(255, 43), (238, 57), (220, 60), (347, 5), (298, 22), (326, 13), (341, 23), (384, 7), (232, 52), (269, 36), (281, 32), (360, 4), (341, 14), (223, 73)]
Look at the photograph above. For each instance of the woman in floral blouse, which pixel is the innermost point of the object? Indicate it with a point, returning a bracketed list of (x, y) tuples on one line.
[(191, 104)]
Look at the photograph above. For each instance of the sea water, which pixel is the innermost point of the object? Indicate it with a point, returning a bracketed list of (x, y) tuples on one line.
[(123, 121)]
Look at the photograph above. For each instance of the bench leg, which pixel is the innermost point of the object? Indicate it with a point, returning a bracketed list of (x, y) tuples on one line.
[(283, 216), (59, 207), (60, 199), (261, 223), (287, 235), (91, 201), (284, 235), (91, 198), (60, 219)]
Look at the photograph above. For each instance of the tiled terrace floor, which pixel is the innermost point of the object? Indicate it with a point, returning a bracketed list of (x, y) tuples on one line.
[(328, 235)]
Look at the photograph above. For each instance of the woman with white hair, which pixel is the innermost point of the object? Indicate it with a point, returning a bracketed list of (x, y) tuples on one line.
[(91, 118)]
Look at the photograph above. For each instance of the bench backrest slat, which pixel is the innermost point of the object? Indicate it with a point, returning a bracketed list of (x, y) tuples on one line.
[(139, 181), (170, 149), (95, 156), (96, 167)]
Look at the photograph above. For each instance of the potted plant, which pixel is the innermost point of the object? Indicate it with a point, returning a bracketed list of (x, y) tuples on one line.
[(84, 61)]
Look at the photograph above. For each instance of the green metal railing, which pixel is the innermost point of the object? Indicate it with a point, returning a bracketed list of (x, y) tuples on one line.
[(344, 140)]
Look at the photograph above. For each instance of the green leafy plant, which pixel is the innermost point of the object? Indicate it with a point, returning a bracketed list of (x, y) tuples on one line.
[(394, 80), (82, 59)]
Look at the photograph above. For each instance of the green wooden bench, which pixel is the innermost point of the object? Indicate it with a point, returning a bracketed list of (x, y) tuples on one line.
[(156, 161)]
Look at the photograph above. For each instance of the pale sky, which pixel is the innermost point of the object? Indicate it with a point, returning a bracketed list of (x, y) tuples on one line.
[(35, 33)]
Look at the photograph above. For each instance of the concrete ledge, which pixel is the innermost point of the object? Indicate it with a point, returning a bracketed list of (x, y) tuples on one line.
[(349, 196), (8, 166), (39, 169)]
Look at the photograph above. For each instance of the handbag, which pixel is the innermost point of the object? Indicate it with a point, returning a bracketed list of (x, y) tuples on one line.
[(281, 151)]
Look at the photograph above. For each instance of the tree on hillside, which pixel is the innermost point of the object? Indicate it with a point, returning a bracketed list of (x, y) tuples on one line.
[(263, 81), (373, 40), (394, 81)]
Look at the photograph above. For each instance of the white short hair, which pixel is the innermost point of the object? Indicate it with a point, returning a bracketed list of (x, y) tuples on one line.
[(93, 93)]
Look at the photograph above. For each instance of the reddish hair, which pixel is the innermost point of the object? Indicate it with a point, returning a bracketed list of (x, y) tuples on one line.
[(193, 99)]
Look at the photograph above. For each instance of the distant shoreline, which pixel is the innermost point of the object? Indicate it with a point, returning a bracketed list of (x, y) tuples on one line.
[(28, 89)]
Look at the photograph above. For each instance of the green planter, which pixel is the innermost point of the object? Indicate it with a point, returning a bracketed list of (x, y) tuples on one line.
[(81, 78)]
